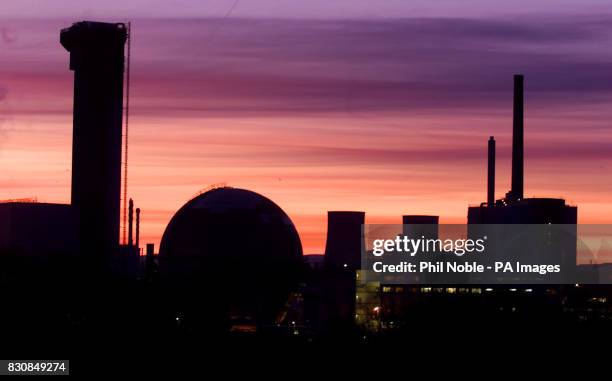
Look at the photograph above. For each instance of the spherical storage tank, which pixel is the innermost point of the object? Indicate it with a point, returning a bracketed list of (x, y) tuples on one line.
[(232, 252)]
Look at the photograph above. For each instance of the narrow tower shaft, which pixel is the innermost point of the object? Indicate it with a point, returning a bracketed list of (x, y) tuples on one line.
[(130, 223), (516, 192), (491, 173), (138, 228)]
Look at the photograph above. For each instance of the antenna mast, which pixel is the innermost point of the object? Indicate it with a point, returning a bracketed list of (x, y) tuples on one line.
[(127, 120)]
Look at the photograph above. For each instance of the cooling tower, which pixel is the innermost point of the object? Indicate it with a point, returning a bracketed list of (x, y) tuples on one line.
[(344, 239), (417, 226)]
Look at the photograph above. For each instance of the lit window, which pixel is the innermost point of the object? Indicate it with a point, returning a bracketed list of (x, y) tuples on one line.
[(451, 290), (426, 289)]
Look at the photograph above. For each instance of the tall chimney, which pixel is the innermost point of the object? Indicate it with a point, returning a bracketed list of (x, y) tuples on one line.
[(491, 173), (516, 192), (138, 228), (130, 222), (96, 57)]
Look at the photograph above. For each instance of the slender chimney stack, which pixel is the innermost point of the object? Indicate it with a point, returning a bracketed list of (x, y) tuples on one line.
[(138, 228), (516, 192), (130, 223), (491, 173)]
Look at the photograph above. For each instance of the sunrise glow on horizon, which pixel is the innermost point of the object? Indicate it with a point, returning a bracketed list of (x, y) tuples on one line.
[(326, 113)]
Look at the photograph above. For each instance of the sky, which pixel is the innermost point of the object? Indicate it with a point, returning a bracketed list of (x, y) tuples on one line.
[(384, 107)]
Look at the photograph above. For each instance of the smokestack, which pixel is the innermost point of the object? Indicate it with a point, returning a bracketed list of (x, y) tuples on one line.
[(344, 239), (516, 192), (491, 173), (130, 222), (96, 57), (138, 228)]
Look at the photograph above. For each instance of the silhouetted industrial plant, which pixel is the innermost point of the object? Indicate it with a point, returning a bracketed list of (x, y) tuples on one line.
[(230, 262)]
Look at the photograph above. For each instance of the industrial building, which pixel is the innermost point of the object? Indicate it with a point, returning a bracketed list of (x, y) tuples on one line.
[(89, 226), (514, 208), (34, 229), (380, 307)]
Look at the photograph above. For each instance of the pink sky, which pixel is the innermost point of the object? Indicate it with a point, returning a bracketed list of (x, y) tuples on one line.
[(388, 116)]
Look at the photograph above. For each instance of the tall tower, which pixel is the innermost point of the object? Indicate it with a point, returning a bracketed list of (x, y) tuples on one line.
[(97, 59), (516, 192)]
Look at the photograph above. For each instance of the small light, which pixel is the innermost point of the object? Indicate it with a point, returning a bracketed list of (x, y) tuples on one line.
[(528, 290), (345, 265), (513, 289), (488, 289)]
